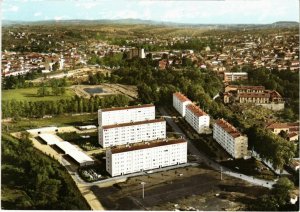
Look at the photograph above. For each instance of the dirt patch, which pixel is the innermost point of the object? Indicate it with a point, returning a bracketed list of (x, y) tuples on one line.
[(107, 89), (187, 188)]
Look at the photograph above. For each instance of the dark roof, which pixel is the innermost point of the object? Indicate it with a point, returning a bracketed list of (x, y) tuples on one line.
[(147, 145), (133, 123), (126, 108)]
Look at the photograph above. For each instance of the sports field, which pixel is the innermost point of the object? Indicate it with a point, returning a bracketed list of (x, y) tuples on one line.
[(30, 94)]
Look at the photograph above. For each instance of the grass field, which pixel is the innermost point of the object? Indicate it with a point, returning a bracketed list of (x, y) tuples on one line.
[(62, 120), (30, 94)]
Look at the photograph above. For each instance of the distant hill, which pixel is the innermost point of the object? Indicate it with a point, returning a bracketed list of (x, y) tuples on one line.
[(149, 22), (285, 23)]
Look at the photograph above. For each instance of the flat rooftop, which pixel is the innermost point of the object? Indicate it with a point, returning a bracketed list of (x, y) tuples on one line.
[(126, 108), (146, 145), (133, 123)]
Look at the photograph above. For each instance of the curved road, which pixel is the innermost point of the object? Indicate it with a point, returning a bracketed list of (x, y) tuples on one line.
[(202, 157)]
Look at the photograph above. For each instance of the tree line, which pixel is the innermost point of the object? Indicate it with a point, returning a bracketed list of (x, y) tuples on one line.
[(34, 181), (277, 200), (271, 147), (19, 81), (15, 109)]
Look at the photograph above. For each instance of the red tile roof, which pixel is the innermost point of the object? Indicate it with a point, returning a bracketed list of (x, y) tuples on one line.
[(292, 126), (133, 123), (181, 97), (228, 128), (196, 110), (126, 108), (147, 145)]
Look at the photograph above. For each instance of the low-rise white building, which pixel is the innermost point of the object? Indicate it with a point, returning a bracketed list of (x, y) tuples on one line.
[(197, 118), (145, 156), (230, 139), (119, 134), (128, 114), (180, 102)]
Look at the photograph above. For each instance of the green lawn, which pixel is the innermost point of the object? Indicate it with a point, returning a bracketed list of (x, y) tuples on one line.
[(29, 94), (62, 120)]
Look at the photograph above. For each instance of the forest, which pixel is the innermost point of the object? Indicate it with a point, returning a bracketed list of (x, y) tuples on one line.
[(34, 181), (23, 108)]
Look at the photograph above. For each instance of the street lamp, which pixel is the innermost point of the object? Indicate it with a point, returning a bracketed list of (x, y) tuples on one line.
[(221, 173), (143, 185)]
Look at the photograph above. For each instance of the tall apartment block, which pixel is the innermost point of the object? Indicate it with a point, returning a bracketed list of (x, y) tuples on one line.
[(128, 133), (196, 117), (230, 139), (145, 156), (120, 115)]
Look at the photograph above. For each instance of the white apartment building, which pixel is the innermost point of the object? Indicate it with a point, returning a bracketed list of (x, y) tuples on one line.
[(145, 156), (234, 76), (128, 114), (230, 139), (126, 133), (180, 102), (197, 118)]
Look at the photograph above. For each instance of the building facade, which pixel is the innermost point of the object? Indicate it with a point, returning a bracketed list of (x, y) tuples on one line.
[(257, 95), (127, 133), (230, 139), (180, 102), (197, 118), (111, 116), (146, 156), (291, 130), (234, 76)]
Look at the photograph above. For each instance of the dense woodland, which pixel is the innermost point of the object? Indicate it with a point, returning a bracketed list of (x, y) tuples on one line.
[(35, 181)]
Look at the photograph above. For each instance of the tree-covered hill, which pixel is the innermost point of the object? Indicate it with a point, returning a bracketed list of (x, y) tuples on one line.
[(33, 181)]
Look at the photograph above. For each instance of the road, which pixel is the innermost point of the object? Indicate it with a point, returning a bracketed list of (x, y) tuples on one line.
[(113, 180), (201, 157)]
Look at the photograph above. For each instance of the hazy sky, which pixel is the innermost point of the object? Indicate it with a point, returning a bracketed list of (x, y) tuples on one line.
[(181, 11)]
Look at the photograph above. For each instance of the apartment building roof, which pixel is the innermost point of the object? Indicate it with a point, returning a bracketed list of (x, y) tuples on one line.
[(126, 108), (133, 123), (254, 95), (228, 128), (142, 145), (196, 110), (181, 97), (236, 73)]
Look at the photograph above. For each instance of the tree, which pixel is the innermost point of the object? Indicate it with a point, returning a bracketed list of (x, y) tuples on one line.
[(281, 190), (43, 90), (265, 203), (55, 66)]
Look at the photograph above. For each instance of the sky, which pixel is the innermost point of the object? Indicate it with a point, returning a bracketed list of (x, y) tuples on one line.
[(179, 11)]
